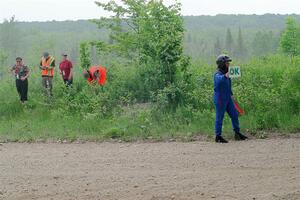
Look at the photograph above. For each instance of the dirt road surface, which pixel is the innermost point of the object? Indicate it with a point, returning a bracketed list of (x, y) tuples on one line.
[(256, 169)]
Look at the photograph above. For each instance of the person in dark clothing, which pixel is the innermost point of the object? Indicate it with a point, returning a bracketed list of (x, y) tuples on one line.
[(21, 72), (66, 70), (223, 100)]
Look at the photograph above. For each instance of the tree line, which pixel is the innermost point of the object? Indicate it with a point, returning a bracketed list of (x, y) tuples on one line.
[(244, 36)]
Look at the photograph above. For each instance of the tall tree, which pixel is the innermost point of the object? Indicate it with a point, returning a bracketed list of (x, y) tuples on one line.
[(229, 42), (290, 40), (150, 33), (85, 55), (9, 38), (240, 49), (264, 43), (217, 47), (74, 54), (259, 46)]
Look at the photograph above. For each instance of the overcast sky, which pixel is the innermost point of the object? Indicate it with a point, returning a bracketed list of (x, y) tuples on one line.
[(43, 10)]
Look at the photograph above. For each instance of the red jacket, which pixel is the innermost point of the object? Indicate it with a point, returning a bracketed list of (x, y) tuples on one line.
[(95, 72), (65, 68)]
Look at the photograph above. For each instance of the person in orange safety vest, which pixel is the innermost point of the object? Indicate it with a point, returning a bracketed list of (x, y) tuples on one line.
[(47, 65), (95, 75)]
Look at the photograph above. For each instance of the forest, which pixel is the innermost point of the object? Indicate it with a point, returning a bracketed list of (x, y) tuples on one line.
[(244, 36)]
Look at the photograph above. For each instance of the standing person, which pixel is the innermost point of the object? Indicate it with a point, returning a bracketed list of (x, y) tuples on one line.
[(96, 74), (66, 70), (21, 73), (47, 65), (223, 100)]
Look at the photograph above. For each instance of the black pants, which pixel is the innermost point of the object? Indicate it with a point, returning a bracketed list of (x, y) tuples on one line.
[(22, 88), (68, 82)]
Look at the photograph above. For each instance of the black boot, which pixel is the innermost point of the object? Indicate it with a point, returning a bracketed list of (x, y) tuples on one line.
[(239, 136), (220, 139)]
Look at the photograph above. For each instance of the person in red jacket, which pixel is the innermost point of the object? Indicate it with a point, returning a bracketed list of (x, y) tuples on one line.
[(95, 75), (66, 70)]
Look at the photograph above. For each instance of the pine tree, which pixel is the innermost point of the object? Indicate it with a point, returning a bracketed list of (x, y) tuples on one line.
[(264, 43), (217, 47), (229, 42), (240, 49)]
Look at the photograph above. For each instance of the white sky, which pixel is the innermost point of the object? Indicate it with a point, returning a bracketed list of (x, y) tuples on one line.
[(44, 10)]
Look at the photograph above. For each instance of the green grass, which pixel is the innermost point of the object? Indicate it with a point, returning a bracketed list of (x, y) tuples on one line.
[(40, 124), (269, 91)]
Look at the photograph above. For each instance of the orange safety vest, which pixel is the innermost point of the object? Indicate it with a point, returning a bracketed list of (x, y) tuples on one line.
[(102, 73), (47, 63)]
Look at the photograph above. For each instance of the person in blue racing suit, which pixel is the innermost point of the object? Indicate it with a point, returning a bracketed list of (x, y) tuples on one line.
[(223, 100)]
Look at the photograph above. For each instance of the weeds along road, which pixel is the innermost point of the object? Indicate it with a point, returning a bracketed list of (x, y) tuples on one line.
[(255, 169)]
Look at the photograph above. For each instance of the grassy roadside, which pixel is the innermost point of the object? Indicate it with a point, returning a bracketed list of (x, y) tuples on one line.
[(269, 91), (133, 123)]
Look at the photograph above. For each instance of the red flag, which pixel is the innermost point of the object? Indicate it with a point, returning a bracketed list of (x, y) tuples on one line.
[(238, 108)]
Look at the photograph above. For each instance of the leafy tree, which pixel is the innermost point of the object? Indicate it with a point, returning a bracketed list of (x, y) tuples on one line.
[(85, 55), (151, 34), (290, 39)]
